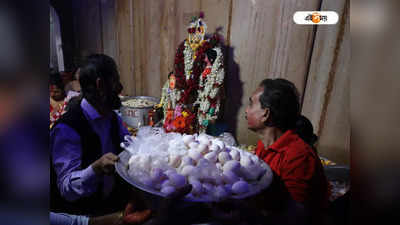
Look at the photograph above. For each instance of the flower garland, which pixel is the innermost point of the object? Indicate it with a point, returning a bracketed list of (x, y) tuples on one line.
[(188, 68), (209, 87), (188, 59)]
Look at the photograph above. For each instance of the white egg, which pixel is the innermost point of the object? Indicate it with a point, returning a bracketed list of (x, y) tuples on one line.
[(220, 192), (215, 148), (203, 138), (172, 143), (168, 190), (208, 188), (211, 156), (188, 170), (157, 175), (235, 154), (240, 187), (166, 183), (229, 177), (197, 187), (187, 160), (232, 165), (246, 161), (218, 179), (224, 157), (203, 148), (220, 143), (187, 139), (159, 163), (203, 163), (174, 160), (177, 180), (170, 172), (205, 142), (195, 154), (193, 145)]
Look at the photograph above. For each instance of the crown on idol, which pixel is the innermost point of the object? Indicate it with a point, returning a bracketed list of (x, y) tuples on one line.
[(197, 31)]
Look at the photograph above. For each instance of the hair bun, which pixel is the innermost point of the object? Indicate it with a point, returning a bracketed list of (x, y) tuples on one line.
[(305, 130)]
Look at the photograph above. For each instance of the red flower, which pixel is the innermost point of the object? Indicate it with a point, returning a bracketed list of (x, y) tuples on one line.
[(179, 122)]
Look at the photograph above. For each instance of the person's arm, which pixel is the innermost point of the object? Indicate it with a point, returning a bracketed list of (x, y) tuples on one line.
[(67, 219), (73, 181)]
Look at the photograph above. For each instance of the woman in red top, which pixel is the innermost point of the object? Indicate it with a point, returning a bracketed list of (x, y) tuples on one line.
[(299, 192)]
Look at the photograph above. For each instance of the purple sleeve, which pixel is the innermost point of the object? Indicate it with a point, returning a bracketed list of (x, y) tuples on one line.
[(73, 181), (67, 219), (122, 130)]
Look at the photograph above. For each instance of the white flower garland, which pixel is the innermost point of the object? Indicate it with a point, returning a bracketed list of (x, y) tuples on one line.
[(210, 90), (188, 59)]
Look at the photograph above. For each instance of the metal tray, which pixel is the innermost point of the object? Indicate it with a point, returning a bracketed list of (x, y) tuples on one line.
[(122, 169)]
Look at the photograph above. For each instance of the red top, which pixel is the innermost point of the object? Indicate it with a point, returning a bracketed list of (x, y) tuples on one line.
[(298, 170)]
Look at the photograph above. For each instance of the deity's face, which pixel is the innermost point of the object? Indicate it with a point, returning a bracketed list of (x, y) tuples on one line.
[(172, 81), (196, 32), (197, 36)]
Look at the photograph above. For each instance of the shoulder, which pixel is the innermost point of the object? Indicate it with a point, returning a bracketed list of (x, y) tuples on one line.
[(298, 147), (63, 130), (299, 154)]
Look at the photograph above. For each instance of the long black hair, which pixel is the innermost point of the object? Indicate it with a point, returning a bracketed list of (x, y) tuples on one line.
[(281, 97)]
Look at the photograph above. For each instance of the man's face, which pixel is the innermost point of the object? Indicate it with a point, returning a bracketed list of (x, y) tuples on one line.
[(255, 115)]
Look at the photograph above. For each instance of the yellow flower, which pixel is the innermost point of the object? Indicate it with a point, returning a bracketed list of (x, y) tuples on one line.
[(185, 114)]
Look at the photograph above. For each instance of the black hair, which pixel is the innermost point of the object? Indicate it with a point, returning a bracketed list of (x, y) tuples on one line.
[(211, 55), (55, 79), (281, 97), (96, 66), (170, 73), (305, 130)]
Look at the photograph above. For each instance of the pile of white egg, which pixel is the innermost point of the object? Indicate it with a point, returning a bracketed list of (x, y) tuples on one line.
[(214, 170)]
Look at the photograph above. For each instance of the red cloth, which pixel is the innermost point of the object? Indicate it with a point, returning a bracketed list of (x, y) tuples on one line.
[(55, 115), (206, 72), (297, 168)]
